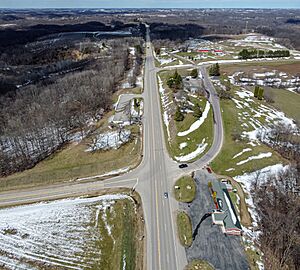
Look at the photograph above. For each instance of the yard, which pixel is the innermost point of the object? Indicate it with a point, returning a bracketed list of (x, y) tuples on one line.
[(190, 138)]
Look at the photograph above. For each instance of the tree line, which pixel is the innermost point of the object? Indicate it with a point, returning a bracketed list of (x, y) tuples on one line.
[(40, 119), (278, 203), (251, 54)]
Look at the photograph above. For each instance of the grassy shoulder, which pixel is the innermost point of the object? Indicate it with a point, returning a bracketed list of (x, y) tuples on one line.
[(122, 236), (74, 162), (184, 227), (199, 265), (185, 189)]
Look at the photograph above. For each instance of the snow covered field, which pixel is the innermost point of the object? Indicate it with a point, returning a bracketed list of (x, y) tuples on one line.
[(272, 78), (109, 140), (62, 234)]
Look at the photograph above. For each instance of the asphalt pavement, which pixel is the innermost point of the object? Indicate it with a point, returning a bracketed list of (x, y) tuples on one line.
[(155, 175), (221, 251)]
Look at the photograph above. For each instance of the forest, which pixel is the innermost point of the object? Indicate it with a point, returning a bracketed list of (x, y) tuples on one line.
[(41, 117)]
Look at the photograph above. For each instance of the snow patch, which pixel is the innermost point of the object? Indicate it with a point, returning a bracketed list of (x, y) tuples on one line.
[(197, 123), (200, 149), (260, 156)]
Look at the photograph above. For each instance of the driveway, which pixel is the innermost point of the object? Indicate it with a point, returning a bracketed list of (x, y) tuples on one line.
[(210, 244)]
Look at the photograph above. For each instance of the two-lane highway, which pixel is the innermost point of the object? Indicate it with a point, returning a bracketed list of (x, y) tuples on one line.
[(152, 178)]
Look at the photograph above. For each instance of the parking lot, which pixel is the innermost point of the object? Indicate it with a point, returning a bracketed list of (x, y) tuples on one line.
[(210, 244)]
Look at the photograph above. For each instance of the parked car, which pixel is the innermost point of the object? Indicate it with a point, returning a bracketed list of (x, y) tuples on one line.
[(166, 195), (181, 166)]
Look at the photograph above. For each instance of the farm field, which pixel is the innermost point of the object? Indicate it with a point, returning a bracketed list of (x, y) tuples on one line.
[(82, 233)]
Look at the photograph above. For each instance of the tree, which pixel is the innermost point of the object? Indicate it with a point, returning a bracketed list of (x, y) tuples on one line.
[(197, 111), (256, 90), (194, 73), (178, 115), (260, 93), (175, 81), (214, 70)]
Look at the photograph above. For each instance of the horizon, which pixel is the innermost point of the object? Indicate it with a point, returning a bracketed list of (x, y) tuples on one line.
[(151, 4)]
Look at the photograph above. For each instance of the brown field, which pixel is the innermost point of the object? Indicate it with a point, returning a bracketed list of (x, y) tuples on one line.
[(291, 68)]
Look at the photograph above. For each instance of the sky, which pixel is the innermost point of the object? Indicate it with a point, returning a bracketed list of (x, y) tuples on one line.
[(149, 3)]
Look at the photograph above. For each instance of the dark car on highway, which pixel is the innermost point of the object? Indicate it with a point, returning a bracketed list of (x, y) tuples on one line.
[(181, 166), (166, 195)]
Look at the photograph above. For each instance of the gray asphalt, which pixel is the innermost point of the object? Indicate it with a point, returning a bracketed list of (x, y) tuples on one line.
[(210, 244), (155, 175)]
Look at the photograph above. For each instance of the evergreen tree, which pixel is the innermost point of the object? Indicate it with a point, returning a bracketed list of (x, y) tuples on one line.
[(197, 111), (178, 115), (194, 73), (214, 70), (256, 90), (260, 93)]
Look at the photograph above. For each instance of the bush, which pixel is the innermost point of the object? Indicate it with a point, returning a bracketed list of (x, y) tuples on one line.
[(214, 70), (194, 73), (178, 115)]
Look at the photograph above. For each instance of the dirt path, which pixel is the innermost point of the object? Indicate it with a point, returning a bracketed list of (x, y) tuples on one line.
[(245, 216)]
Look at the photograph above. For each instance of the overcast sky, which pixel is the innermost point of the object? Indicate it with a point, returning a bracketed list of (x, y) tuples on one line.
[(148, 3)]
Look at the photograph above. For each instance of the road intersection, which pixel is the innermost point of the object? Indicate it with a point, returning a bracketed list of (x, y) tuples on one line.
[(155, 175)]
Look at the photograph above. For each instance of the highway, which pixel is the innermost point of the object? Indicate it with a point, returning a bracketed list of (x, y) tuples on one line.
[(155, 175)]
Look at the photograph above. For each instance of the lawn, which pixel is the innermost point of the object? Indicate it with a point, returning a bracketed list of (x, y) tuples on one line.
[(225, 161), (199, 265), (184, 227), (185, 189), (179, 146), (74, 162)]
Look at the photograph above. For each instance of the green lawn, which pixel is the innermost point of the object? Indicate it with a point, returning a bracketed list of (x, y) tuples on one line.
[(224, 160), (184, 227), (199, 265), (193, 139), (185, 189)]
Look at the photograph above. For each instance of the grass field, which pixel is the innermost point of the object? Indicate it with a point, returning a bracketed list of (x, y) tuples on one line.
[(105, 231), (74, 162), (198, 265), (225, 161), (287, 66), (184, 227), (286, 101), (186, 190), (119, 246)]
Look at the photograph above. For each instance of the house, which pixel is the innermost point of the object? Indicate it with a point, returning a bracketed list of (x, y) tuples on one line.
[(224, 215)]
